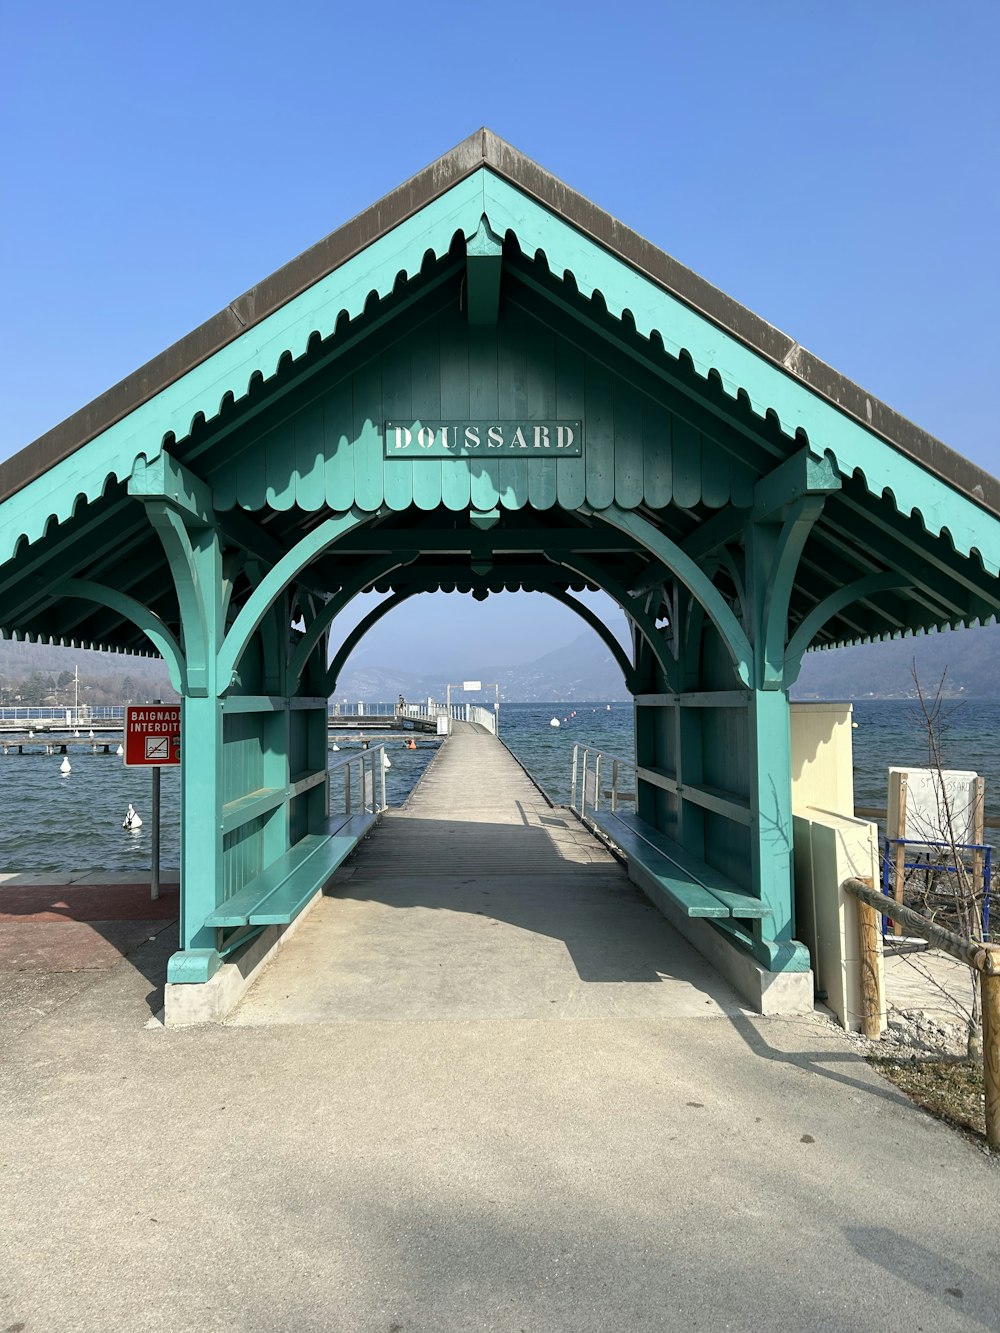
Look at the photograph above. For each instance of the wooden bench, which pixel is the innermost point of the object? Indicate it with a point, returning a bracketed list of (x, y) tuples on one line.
[(660, 865), (278, 894)]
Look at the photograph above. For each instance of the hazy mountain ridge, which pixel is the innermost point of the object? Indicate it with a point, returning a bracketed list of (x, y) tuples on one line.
[(967, 659), (583, 669)]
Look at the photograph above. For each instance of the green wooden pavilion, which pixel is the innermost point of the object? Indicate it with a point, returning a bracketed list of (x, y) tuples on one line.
[(486, 383)]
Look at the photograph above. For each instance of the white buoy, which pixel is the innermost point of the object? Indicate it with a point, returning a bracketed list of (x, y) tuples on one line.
[(65, 768), (119, 750), (386, 761), (132, 819), (608, 706), (91, 734), (336, 746), (31, 734), (555, 722)]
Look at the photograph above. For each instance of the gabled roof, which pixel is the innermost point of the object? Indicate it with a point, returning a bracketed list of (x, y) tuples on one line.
[(908, 538), (486, 149)]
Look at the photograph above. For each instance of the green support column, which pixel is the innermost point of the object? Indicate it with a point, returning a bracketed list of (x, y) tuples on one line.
[(773, 550), (201, 837), (771, 814), (180, 509)]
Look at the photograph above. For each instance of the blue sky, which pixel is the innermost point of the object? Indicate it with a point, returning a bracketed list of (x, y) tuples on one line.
[(834, 167)]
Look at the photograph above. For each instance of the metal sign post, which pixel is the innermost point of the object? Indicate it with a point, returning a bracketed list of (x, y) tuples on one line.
[(154, 872), (153, 741)]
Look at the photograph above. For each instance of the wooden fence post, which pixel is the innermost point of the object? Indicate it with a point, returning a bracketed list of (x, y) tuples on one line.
[(869, 932), (899, 832), (989, 990)]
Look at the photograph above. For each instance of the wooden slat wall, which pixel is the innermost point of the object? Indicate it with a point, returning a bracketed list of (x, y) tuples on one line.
[(328, 451)]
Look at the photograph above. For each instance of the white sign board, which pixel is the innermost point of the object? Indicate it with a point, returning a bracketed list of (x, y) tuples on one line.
[(472, 684), (940, 806)]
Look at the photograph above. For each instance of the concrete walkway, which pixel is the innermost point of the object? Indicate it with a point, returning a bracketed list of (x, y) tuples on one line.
[(542, 1169), (478, 900)]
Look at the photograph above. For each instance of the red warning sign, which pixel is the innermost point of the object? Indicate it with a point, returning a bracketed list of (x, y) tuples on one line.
[(152, 735)]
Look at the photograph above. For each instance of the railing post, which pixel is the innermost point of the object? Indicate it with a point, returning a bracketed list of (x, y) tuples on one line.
[(614, 785), (382, 804), (989, 991), (583, 780), (572, 789), (597, 781), (869, 938), (347, 787)]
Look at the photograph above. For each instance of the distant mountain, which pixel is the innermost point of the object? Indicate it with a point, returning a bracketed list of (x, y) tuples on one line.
[(583, 670), (967, 659), (105, 678)]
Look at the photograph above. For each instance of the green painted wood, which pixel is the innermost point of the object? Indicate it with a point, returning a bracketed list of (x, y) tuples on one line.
[(778, 576), (243, 756), (242, 853), (736, 899), (645, 624), (283, 905), (279, 466), (435, 348), (288, 331), (657, 461), (397, 399), (455, 484), (193, 966), (274, 583), (629, 446), (658, 875), (716, 473), (235, 911), (203, 389), (484, 402), (310, 457), (152, 626), (366, 442), (250, 476), (512, 386), (694, 578), (315, 632), (742, 479), (571, 478), (600, 427), (825, 610), (482, 276), (338, 422), (166, 478), (769, 753), (201, 809), (739, 368), (687, 464), (541, 398)]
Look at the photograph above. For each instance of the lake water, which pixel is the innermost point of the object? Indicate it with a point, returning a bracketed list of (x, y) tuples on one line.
[(53, 824)]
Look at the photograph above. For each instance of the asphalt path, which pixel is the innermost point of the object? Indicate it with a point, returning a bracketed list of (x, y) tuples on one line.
[(571, 1152)]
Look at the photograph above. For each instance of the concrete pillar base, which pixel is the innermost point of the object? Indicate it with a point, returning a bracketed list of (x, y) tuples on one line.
[(210, 1001), (770, 993)]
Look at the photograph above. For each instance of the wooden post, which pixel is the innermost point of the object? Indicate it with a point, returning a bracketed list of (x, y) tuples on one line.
[(869, 936), (989, 990), (899, 873)]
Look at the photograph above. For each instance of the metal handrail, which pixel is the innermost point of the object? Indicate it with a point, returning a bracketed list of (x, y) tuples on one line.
[(359, 794), (581, 771)]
